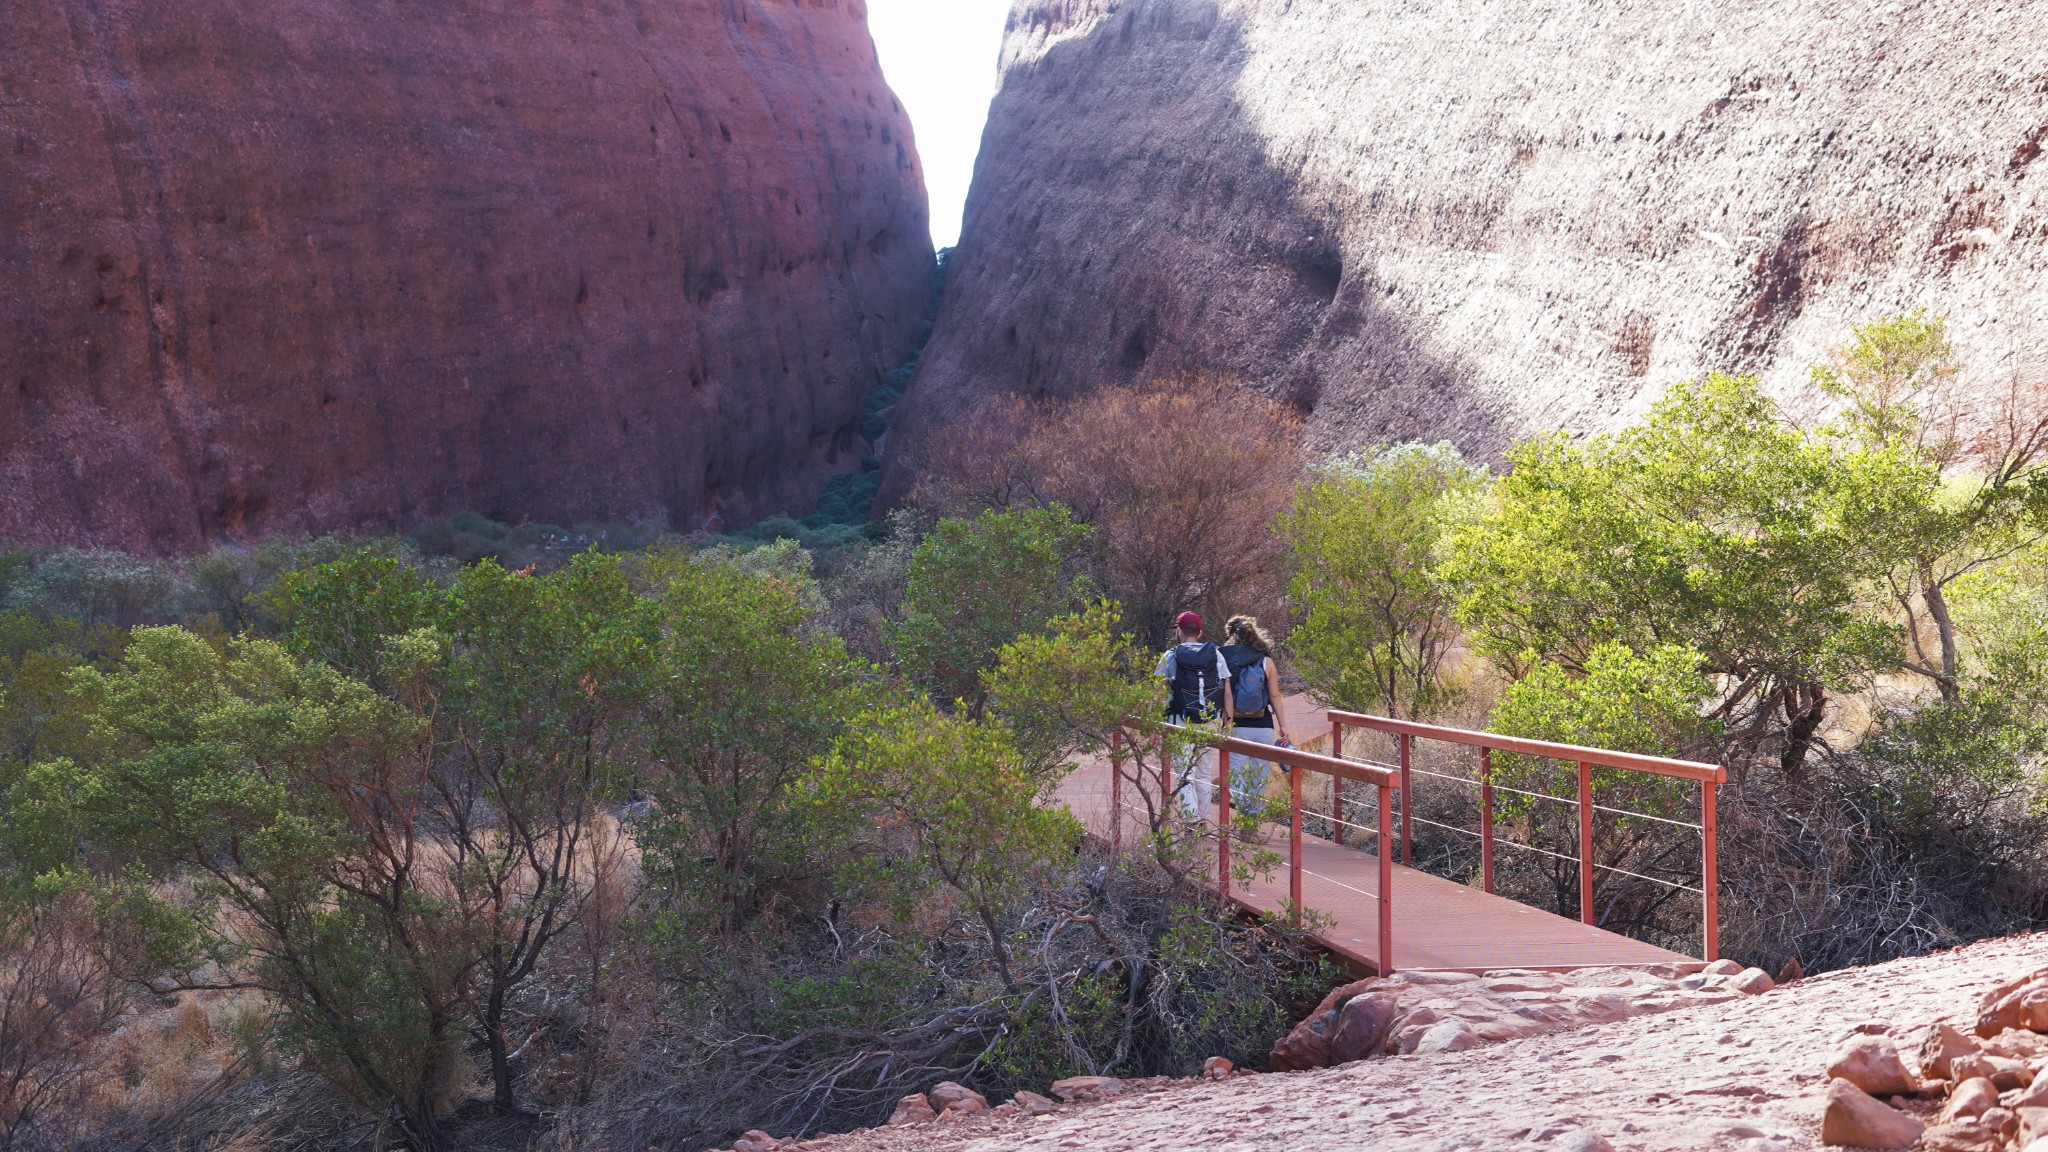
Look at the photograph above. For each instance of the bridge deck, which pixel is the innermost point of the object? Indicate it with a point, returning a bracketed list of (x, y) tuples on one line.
[(1438, 924)]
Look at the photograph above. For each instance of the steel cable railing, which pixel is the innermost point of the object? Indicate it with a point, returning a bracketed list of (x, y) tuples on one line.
[(1406, 732)]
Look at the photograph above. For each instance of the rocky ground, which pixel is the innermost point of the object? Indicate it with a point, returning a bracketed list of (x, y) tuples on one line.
[(1747, 1073)]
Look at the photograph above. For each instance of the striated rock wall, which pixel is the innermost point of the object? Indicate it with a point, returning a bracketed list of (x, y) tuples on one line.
[(1474, 219), (300, 265)]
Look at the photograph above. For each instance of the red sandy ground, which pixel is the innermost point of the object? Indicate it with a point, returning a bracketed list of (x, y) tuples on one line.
[(1745, 1075)]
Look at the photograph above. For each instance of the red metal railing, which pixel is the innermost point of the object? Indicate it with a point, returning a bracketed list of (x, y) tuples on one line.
[(1406, 732), (1296, 762)]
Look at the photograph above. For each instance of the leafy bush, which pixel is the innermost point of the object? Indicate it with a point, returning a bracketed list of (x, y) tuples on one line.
[(975, 585), (1375, 624)]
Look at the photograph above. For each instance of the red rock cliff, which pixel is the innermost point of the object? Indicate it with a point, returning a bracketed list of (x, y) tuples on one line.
[(1475, 219), (301, 265)]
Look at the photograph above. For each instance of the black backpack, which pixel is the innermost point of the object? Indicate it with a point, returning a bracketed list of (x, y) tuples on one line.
[(1197, 694)]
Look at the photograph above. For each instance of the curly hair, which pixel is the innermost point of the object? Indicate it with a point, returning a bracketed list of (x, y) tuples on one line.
[(1245, 630)]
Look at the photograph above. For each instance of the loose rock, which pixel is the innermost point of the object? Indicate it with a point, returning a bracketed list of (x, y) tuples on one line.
[(1217, 1068), (1939, 1049), (2003, 1071), (1960, 1136), (1081, 1089), (1972, 1098), (2034, 1095), (912, 1109), (2033, 1124), (2023, 1003), (756, 1141), (1854, 1118), (1753, 982), (1033, 1103), (1872, 1064), (947, 1096)]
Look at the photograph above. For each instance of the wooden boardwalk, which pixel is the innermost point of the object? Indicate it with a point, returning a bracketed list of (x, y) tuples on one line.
[(1437, 923)]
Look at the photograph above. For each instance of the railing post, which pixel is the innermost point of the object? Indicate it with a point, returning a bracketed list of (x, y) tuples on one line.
[(1223, 823), (1116, 792), (1407, 802), (1386, 884), (1336, 783), (1486, 817), (1585, 843), (1294, 844), (1710, 874)]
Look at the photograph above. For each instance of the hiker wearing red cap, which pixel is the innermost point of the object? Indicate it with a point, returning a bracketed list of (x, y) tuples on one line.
[(1195, 674)]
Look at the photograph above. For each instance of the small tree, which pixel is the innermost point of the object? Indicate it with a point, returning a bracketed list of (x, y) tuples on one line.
[(287, 799), (537, 706), (1181, 480), (1713, 525), (1066, 691), (1375, 625), (1898, 382), (975, 585), (962, 801), (744, 695)]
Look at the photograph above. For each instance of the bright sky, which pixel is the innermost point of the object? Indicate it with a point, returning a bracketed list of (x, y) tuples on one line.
[(940, 57)]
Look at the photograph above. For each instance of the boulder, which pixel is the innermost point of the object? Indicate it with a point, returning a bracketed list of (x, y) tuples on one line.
[(2003, 1121), (2032, 1124), (2022, 1003), (1082, 1089), (1362, 1028), (1939, 1049), (1033, 1103), (1752, 982), (1447, 1036), (2003, 1071), (2019, 1044), (1872, 1064), (1971, 1099), (1960, 1136), (1855, 1119), (1791, 972), (2034, 1095), (756, 1141), (1723, 968), (947, 1096), (1217, 1068), (912, 1109)]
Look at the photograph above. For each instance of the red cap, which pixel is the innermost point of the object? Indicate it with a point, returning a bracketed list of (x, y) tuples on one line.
[(1188, 622)]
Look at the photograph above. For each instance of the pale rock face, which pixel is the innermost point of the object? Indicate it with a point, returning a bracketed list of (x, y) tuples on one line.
[(1479, 219), (293, 266)]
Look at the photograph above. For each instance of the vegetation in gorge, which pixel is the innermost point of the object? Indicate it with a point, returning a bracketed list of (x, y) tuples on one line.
[(524, 838), (483, 855), (1721, 583)]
